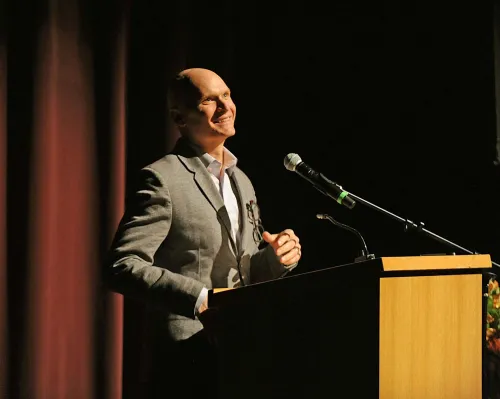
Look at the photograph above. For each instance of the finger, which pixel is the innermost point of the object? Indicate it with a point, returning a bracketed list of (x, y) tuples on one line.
[(292, 254), (286, 247), (295, 259), (291, 234), (268, 237), (283, 238), (292, 261)]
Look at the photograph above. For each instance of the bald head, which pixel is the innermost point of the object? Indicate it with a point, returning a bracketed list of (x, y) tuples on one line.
[(198, 75), (185, 88), (201, 107)]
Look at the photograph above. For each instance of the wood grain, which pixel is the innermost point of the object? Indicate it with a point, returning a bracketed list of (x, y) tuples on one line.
[(431, 337)]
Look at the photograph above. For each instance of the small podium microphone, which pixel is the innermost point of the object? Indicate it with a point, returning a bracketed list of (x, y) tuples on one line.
[(294, 163), (365, 255)]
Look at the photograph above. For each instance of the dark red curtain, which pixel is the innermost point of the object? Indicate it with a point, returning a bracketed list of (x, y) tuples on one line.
[(78, 68), (3, 222), (61, 268), (65, 175)]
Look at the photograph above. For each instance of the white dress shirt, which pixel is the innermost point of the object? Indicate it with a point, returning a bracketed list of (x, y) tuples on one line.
[(218, 173), (219, 176)]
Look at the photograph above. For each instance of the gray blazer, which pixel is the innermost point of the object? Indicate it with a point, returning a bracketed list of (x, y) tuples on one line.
[(174, 239)]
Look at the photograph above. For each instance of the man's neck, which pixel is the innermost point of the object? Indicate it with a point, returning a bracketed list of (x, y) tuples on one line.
[(215, 148), (217, 152)]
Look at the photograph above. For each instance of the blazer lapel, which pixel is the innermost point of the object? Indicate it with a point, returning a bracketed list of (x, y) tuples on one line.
[(207, 187), (243, 199)]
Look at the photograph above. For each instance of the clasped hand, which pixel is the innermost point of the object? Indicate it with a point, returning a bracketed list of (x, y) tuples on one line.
[(286, 246)]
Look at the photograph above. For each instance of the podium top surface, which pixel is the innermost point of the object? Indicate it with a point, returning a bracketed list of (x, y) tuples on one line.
[(415, 264), (436, 262)]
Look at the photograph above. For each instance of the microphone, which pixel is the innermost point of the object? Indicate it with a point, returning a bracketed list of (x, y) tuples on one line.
[(294, 163), (365, 255)]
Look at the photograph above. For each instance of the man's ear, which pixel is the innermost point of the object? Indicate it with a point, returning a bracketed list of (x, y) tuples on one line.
[(177, 117)]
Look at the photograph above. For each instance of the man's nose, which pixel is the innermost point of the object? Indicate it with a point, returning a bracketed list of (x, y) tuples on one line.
[(223, 105)]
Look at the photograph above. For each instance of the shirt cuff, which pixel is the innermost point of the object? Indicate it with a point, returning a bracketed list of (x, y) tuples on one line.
[(199, 301), (292, 266)]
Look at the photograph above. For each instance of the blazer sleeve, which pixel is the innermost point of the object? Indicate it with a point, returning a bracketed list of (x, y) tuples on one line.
[(265, 266), (129, 269)]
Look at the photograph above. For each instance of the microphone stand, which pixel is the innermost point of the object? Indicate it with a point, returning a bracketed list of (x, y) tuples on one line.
[(419, 227)]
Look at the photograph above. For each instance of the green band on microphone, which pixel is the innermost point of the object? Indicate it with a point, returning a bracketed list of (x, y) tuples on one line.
[(341, 197)]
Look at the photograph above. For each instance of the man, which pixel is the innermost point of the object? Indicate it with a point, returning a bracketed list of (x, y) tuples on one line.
[(193, 225)]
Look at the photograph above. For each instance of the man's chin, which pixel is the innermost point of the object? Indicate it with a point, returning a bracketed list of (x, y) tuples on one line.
[(225, 132)]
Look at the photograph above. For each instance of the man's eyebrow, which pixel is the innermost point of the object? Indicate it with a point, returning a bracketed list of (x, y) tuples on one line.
[(216, 94)]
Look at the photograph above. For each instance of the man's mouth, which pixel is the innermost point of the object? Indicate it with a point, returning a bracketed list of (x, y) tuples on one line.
[(221, 121)]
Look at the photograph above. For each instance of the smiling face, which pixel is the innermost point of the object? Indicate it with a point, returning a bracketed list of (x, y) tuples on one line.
[(206, 112)]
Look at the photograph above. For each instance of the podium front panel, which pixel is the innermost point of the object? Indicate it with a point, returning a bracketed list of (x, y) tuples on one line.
[(431, 337)]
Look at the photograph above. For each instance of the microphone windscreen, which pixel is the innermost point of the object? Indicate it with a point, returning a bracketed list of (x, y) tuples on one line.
[(291, 161)]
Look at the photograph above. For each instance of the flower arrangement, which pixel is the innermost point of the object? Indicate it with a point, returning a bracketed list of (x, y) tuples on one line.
[(493, 317)]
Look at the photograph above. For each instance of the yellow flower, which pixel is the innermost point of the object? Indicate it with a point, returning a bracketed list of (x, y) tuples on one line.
[(496, 301), (492, 285)]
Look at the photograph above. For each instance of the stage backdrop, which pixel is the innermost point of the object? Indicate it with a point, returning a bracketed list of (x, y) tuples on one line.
[(394, 102)]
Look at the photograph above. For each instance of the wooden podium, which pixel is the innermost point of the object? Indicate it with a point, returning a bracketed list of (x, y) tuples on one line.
[(390, 328)]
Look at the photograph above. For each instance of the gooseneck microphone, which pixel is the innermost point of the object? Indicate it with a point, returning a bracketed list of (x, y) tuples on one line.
[(365, 255), (294, 163)]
